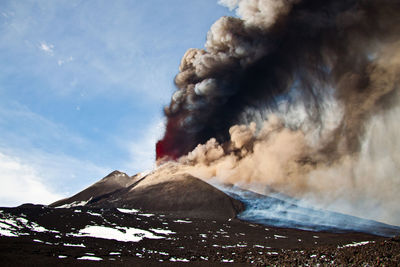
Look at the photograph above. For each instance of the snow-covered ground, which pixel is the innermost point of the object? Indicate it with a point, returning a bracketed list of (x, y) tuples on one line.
[(123, 234), (144, 236)]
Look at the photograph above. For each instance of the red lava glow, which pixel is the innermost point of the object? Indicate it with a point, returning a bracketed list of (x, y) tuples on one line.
[(164, 151), (176, 141), (160, 152), (169, 147)]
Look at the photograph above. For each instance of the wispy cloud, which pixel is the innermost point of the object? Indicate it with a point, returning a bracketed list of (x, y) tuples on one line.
[(36, 176), (120, 48), (61, 62), (78, 76), (47, 48), (37, 158), (21, 183)]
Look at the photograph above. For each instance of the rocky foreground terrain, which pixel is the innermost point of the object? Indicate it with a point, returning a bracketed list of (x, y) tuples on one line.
[(107, 225)]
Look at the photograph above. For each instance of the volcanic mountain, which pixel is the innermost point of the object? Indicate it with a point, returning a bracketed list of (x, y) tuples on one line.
[(179, 195), (170, 216), (169, 190)]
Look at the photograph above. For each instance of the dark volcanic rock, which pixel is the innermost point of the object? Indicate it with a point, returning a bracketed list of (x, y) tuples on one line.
[(183, 196), (177, 195), (34, 235), (111, 183), (90, 230)]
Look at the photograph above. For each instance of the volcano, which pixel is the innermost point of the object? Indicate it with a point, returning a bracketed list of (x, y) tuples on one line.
[(300, 97), (170, 216), (178, 195)]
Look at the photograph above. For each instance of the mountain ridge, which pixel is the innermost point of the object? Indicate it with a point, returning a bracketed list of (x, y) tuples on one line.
[(170, 191), (178, 195)]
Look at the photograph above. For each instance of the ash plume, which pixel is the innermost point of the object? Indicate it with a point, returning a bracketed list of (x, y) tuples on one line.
[(299, 96)]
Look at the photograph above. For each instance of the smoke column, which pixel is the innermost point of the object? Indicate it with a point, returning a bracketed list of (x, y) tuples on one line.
[(298, 96)]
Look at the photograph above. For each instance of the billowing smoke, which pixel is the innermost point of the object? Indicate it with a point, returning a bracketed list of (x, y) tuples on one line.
[(297, 96)]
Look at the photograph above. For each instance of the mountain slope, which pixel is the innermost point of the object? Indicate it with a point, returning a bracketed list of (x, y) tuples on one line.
[(111, 183), (178, 195), (181, 196), (170, 191)]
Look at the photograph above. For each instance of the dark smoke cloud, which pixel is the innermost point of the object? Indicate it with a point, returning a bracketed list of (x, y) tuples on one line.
[(277, 47)]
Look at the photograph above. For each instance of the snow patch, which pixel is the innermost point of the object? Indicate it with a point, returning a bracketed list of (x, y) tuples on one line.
[(356, 244), (162, 231), (179, 259), (129, 211), (229, 246), (127, 235), (4, 232), (5, 226), (182, 221), (10, 226), (11, 222), (37, 228), (22, 220), (93, 213), (90, 258), (74, 245), (74, 204), (146, 214)]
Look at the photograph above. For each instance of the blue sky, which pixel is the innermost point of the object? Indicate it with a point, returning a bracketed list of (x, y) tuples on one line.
[(82, 86)]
